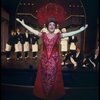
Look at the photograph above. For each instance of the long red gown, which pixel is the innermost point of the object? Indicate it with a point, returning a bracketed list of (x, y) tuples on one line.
[(49, 82)]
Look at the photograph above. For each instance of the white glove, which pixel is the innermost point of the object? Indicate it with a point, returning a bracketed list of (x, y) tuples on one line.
[(17, 19), (84, 27)]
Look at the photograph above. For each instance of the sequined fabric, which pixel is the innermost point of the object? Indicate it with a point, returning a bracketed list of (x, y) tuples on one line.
[(49, 83)]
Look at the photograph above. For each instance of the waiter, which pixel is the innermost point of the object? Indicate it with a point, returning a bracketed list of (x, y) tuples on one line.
[(18, 44), (34, 45), (9, 44), (26, 43)]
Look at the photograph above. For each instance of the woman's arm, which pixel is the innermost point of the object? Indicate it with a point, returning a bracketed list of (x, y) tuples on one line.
[(63, 35), (35, 32)]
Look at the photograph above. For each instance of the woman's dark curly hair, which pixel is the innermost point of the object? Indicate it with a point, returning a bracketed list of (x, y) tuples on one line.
[(51, 20)]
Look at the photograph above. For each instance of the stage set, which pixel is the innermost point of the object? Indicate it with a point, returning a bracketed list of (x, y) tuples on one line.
[(79, 53)]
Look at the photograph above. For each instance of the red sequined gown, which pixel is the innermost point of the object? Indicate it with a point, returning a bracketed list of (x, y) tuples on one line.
[(49, 82)]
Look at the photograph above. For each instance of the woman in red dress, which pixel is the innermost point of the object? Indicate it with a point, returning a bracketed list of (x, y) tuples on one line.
[(49, 83)]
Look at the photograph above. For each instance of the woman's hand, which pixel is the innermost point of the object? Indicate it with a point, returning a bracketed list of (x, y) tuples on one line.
[(22, 22), (84, 27), (67, 34), (32, 30)]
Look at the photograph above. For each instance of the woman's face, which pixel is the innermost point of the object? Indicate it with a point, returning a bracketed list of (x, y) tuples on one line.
[(51, 27)]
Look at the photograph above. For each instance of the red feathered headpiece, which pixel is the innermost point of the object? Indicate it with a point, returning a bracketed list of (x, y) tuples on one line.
[(51, 10)]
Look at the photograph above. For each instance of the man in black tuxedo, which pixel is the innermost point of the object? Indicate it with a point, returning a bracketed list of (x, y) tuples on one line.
[(72, 43), (18, 39), (26, 43), (72, 40), (92, 60), (9, 44), (34, 45), (77, 59)]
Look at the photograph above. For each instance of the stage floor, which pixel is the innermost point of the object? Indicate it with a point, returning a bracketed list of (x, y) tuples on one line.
[(18, 64), (18, 79), (11, 92)]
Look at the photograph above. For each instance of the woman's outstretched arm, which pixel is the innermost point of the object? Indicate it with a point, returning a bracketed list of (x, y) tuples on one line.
[(63, 35), (35, 32)]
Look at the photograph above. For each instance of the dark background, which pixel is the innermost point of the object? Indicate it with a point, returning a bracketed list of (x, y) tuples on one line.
[(92, 17)]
